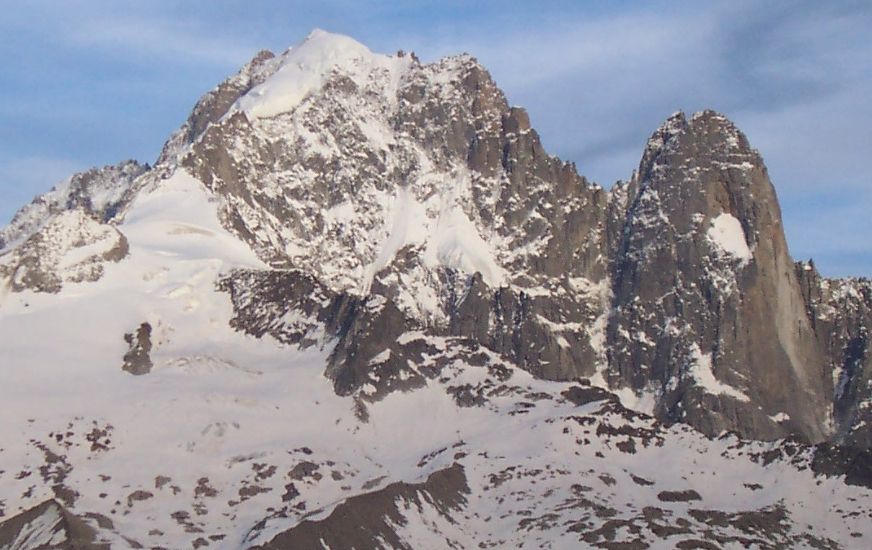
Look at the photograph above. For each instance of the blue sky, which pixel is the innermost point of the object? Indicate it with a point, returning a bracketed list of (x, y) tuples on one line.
[(93, 82)]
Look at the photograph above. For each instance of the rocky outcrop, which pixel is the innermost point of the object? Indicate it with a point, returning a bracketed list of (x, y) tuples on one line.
[(48, 526), (68, 234), (708, 313), (375, 519), (70, 247), (841, 314), (137, 360), (99, 193)]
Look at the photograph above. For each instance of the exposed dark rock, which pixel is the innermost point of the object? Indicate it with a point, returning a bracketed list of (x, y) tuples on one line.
[(138, 496), (303, 470), (838, 460), (137, 360), (49, 526), (641, 480), (678, 496), (841, 315), (367, 520), (705, 293), (582, 395)]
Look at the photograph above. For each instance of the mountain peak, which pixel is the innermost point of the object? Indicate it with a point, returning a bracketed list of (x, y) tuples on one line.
[(662, 136), (318, 33), (306, 67), (707, 139), (327, 44), (719, 132)]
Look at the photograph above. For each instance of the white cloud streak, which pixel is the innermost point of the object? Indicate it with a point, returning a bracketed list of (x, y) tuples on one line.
[(156, 34), (177, 42)]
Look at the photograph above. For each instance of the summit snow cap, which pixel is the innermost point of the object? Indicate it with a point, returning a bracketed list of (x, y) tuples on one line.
[(305, 68)]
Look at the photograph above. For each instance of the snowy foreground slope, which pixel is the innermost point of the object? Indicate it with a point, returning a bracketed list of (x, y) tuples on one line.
[(354, 304)]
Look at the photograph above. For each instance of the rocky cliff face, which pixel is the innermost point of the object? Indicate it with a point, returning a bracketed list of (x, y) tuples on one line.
[(708, 314), (67, 234), (841, 314)]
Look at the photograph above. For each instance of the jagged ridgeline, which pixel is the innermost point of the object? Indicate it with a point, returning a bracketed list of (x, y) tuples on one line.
[(383, 247)]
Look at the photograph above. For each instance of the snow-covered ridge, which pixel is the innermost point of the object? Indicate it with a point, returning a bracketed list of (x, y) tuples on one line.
[(444, 232), (305, 68), (99, 192)]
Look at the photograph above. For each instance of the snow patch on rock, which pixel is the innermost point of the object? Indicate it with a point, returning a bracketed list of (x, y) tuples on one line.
[(644, 401), (780, 417), (728, 238), (704, 377)]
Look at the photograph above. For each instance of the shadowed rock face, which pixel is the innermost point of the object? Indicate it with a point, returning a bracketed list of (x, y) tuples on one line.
[(371, 520), (48, 526), (841, 315), (704, 286)]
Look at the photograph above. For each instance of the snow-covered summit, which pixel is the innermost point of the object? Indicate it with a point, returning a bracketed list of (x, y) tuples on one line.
[(306, 67)]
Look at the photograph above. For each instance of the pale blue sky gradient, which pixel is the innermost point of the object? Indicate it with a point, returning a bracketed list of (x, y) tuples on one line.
[(94, 82)]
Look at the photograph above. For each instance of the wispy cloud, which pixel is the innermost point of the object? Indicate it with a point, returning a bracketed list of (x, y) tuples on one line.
[(176, 41), (152, 33)]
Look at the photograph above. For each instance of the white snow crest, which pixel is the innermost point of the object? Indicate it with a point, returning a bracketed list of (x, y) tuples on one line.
[(446, 234), (728, 238), (457, 244), (305, 68)]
